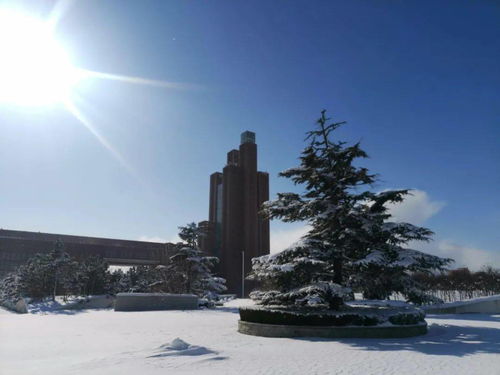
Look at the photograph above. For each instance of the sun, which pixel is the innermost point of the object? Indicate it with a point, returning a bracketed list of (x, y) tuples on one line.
[(34, 68)]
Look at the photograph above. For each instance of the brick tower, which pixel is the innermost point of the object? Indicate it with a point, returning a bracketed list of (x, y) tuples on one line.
[(235, 231)]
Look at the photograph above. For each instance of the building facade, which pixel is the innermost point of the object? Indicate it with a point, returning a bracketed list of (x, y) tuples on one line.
[(16, 247), (235, 232)]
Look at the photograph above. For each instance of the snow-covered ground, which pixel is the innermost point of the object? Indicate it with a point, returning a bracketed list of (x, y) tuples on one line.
[(144, 343)]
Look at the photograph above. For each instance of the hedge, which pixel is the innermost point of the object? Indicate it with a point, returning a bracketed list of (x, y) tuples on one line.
[(350, 317)]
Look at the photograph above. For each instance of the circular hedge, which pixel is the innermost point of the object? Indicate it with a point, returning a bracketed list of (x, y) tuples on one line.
[(358, 321), (347, 316), (378, 332)]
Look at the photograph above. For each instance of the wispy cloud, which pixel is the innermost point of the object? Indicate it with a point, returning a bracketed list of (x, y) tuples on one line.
[(464, 256), (416, 208), (174, 239), (152, 239)]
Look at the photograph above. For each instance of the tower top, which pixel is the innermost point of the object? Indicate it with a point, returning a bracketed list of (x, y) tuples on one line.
[(247, 137)]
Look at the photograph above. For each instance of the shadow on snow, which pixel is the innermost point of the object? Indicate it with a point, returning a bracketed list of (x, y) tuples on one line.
[(442, 339)]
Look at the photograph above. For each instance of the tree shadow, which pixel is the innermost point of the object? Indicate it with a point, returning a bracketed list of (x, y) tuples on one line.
[(48, 310), (442, 339), (41, 311)]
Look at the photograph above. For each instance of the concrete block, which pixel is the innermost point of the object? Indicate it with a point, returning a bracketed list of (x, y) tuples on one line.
[(155, 301)]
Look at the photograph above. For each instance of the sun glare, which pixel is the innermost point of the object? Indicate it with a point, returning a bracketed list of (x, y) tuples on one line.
[(34, 68)]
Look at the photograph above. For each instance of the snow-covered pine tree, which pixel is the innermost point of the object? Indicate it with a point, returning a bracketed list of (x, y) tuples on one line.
[(92, 276), (9, 289), (349, 232), (47, 274), (139, 279), (191, 234), (383, 265), (190, 270), (62, 268)]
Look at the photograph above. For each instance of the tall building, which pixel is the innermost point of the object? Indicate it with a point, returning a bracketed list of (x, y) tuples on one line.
[(236, 232)]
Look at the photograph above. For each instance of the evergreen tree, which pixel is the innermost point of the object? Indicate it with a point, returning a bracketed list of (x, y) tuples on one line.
[(10, 289), (93, 276), (118, 282), (62, 268), (47, 274), (189, 270), (191, 234), (351, 242), (141, 278)]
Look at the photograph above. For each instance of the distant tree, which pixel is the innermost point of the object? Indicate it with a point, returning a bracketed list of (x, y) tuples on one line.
[(118, 282), (47, 274), (351, 242), (191, 234), (10, 289), (189, 270), (93, 276), (62, 267), (141, 278), (56, 273)]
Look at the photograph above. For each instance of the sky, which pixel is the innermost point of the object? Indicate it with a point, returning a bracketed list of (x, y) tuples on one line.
[(417, 81)]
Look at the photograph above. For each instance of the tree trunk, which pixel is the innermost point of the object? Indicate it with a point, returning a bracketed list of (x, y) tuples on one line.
[(337, 270), (337, 278), (55, 288)]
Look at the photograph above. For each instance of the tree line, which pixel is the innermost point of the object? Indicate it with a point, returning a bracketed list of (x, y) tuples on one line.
[(460, 284), (47, 275)]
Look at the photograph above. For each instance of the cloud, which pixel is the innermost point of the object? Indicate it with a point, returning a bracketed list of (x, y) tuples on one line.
[(152, 239), (282, 238), (464, 256), (416, 208), (174, 239), (419, 207)]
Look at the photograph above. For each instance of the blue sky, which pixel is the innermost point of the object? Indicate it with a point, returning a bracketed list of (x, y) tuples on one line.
[(417, 81)]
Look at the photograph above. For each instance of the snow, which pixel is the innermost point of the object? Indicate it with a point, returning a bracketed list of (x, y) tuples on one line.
[(495, 297), (180, 347), (383, 303), (4, 311), (207, 342), (177, 344)]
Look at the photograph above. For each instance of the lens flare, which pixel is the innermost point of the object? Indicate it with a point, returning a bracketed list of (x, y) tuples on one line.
[(34, 68)]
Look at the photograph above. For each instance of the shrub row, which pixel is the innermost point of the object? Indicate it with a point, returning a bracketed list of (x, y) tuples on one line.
[(403, 319), (305, 319), (460, 284)]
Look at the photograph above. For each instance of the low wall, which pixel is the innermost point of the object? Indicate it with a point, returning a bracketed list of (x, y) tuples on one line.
[(155, 301), (488, 306), (274, 330)]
